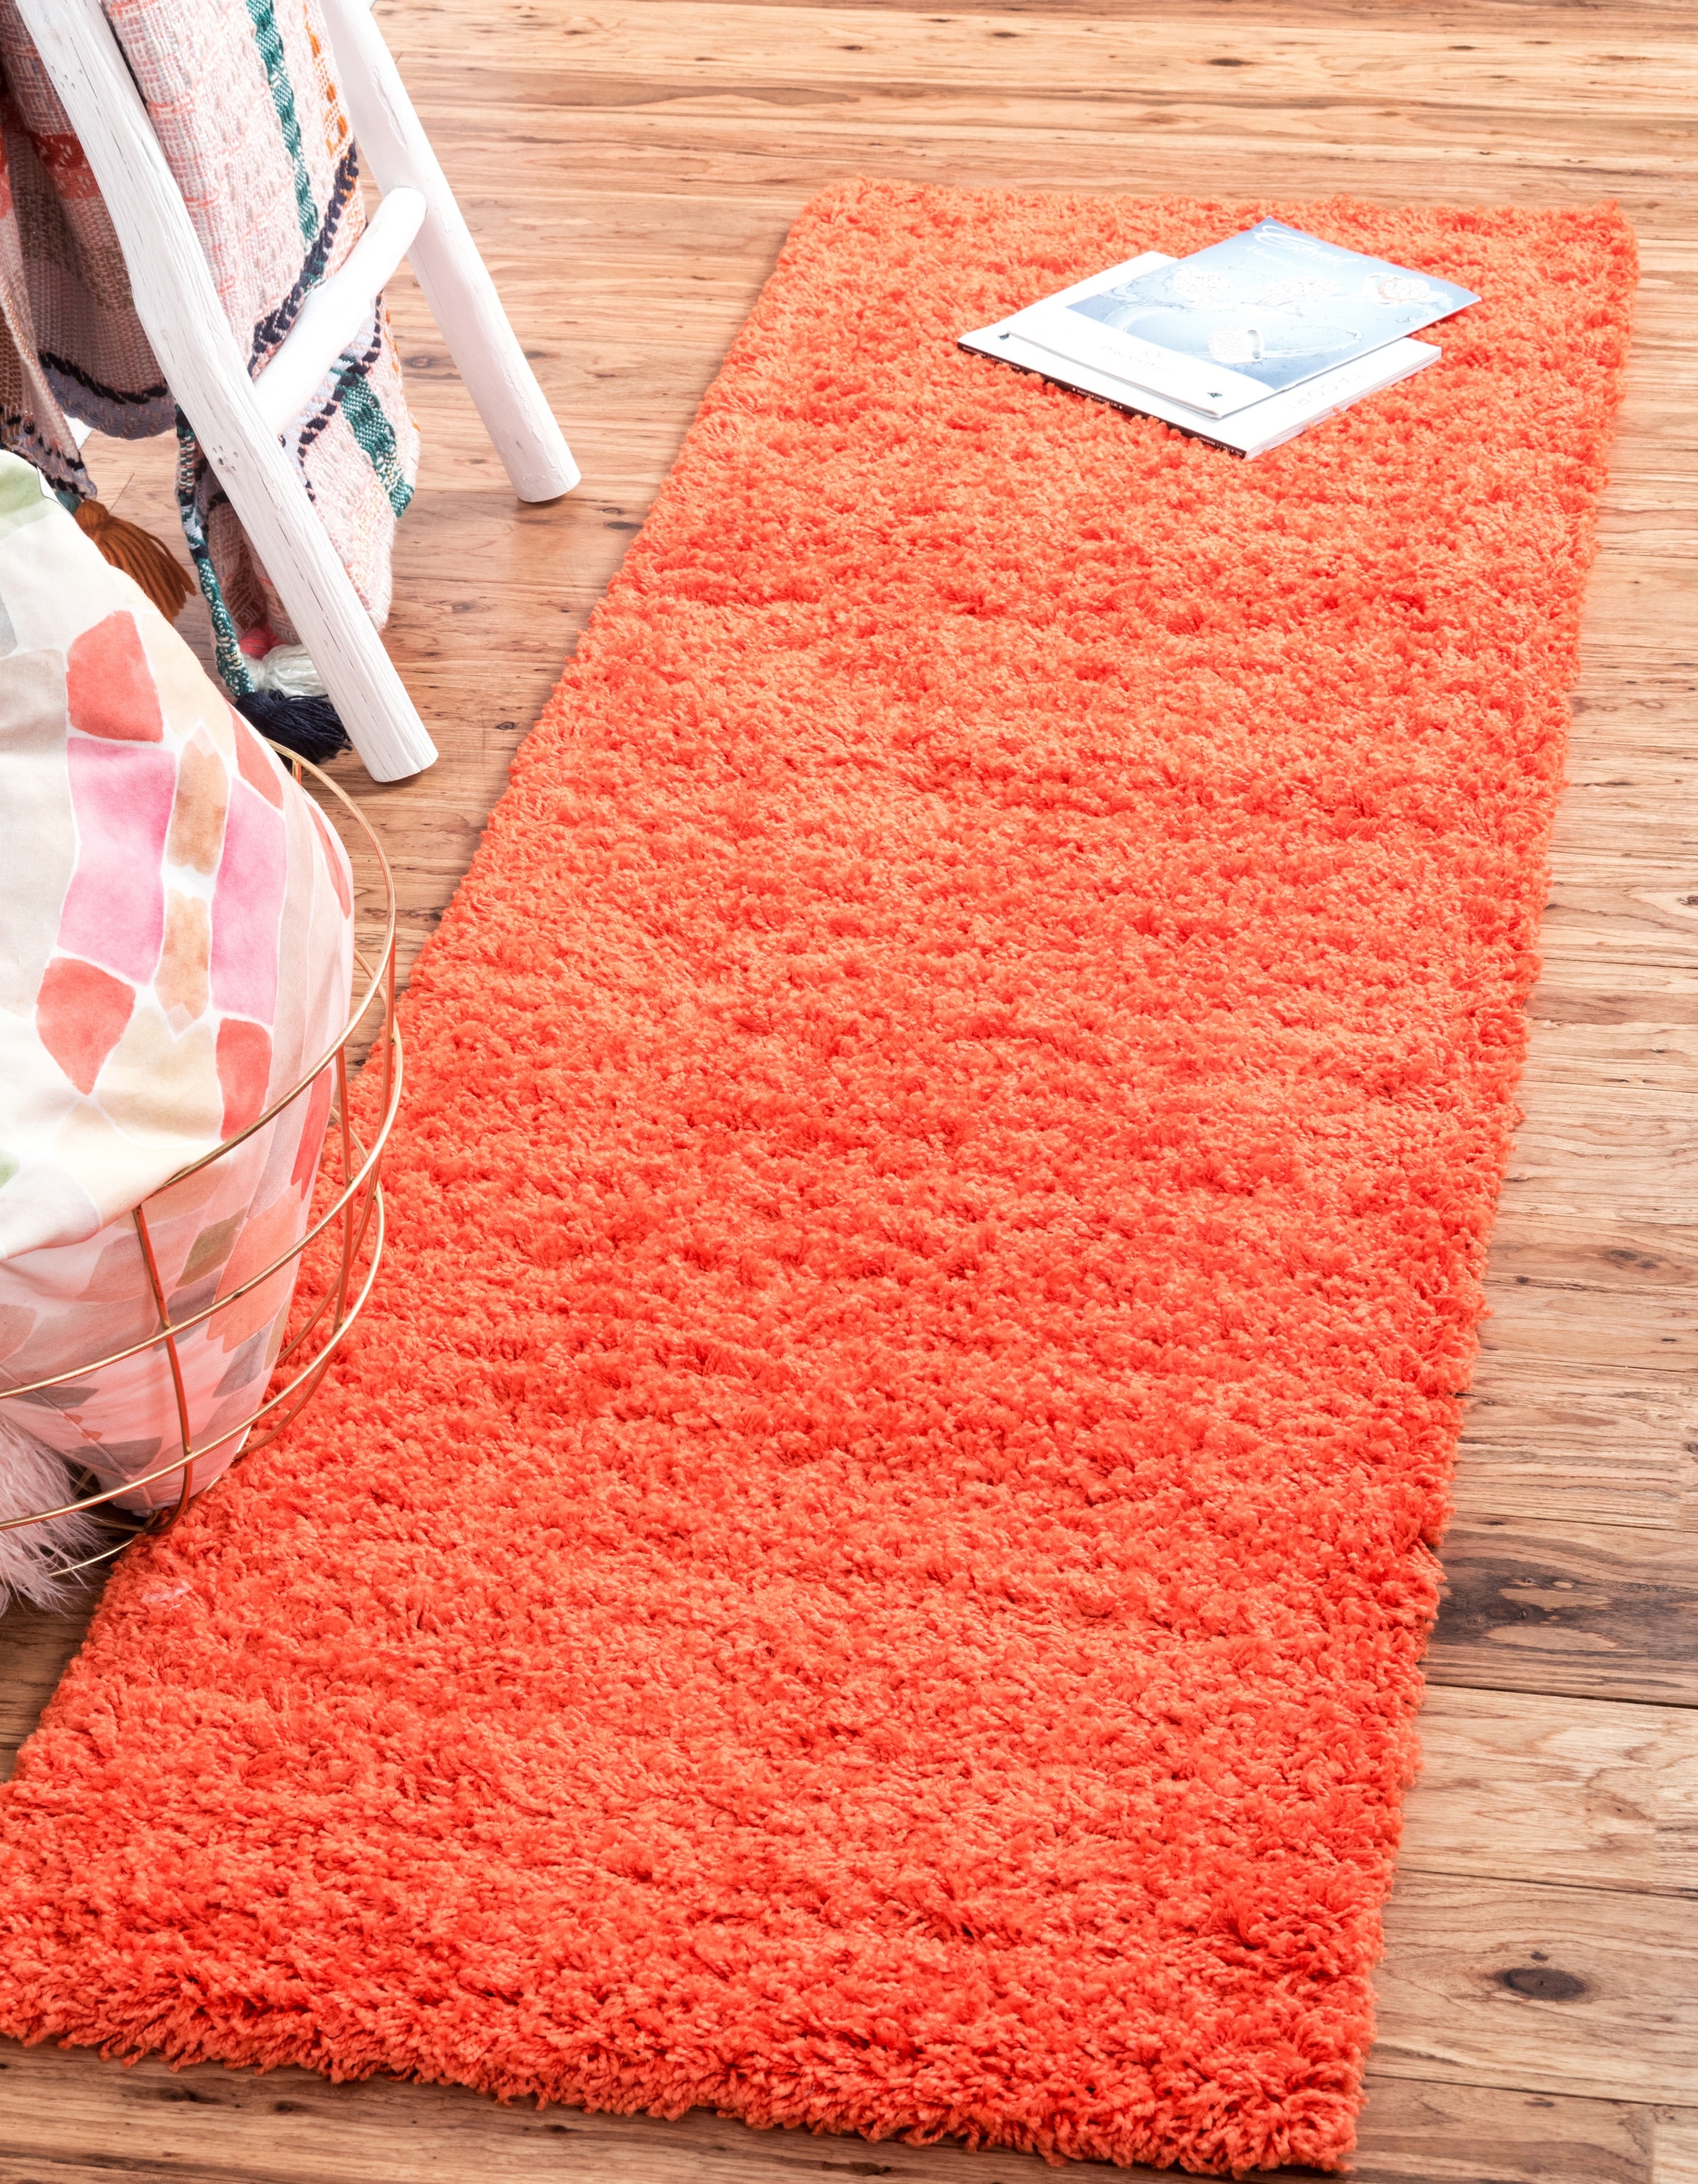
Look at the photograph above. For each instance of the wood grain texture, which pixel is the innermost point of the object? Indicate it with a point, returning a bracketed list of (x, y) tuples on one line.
[(1515, 1787), (1599, 1612), (1549, 1990), (631, 174), (1416, 2133), (35, 1649), (71, 2119), (1675, 2146)]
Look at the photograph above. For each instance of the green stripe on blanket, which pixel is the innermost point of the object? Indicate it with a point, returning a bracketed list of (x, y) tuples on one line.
[(373, 431), (269, 39)]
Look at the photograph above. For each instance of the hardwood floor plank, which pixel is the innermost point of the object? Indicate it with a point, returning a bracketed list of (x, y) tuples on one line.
[(1414, 2133), (1598, 771), (68, 2118), (1645, 913), (35, 1649), (1276, 63), (1632, 1253), (1616, 1329), (1585, 1445), (1636, 20), (1593, 994), (1636, 1135), (1575, 1052), (1562, 1990), (733, 151), (1594, 1793), (63, 2112), (1606, 1611), (1101, 118)]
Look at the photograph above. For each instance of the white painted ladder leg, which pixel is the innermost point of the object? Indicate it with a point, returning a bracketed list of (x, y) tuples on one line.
[(180, 310), (455, 280)]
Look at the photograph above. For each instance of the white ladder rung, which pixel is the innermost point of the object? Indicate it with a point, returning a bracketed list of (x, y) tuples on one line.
[(336, 309)]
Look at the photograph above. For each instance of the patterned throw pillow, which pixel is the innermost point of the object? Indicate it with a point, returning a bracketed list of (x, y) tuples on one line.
[(176, 951)]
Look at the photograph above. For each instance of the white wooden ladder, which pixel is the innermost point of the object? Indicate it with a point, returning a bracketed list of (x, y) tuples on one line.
[(238, 421)]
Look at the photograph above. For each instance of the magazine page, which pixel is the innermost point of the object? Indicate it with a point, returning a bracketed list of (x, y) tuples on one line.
[(1246, 318)]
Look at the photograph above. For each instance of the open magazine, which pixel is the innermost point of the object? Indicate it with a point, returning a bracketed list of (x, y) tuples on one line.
[(1246, 342)]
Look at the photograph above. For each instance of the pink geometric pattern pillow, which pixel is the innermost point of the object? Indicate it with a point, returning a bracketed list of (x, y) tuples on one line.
[(175, 950)]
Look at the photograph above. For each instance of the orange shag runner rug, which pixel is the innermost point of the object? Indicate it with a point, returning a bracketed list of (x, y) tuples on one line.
[(867, 1568)]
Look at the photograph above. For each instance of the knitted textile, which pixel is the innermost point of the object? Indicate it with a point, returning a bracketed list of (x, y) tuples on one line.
[(253, 131), (867, 1565)]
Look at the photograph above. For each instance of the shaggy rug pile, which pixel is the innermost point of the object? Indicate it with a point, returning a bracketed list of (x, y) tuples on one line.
[(868, 1569)]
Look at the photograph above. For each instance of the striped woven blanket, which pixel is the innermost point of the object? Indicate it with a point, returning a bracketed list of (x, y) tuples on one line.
[(243, 98)]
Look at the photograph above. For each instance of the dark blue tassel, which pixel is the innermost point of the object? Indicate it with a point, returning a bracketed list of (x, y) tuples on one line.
[(309, 726)]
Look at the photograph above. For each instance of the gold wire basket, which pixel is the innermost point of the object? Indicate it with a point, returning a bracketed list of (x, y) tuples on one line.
[(356, 1211)]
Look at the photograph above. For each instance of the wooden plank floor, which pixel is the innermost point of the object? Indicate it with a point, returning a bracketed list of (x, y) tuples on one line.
[(631, 173)]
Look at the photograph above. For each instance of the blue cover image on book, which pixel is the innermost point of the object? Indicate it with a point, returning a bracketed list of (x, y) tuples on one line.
[(1275, 305)]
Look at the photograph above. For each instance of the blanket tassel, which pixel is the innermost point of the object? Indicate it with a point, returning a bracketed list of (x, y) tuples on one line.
[(311, 727), (289, 702), (139, 555)]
